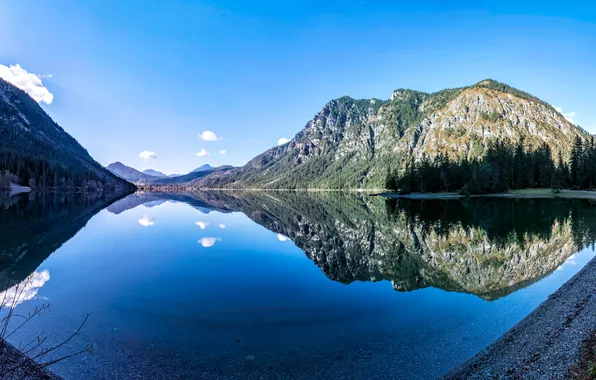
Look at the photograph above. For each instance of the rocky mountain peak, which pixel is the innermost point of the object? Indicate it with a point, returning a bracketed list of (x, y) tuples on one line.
[(350, 143)]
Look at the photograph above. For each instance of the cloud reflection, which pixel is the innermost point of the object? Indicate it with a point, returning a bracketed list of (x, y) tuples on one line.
[(25, 291), (146, 221), (202, 224), (207, 242), (281, 237), (222, 226)]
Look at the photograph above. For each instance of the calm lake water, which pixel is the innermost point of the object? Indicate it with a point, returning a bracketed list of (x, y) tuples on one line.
[(284, 285)]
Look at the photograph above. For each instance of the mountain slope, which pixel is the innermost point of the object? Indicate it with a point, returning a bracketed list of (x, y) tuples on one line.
[(193, 177), (37, 152), (129, 174), (155, 173), (351, 143), (202, 168)]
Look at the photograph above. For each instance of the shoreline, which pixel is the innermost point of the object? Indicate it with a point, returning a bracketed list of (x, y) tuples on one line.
[(27, 369), (525, 193), (547, 343)]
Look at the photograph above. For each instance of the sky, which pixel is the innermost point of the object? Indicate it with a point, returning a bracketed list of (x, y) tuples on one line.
[(171, 85)]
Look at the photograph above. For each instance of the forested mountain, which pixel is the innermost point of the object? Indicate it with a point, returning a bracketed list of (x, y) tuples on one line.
[(353, 143), (37, 152)]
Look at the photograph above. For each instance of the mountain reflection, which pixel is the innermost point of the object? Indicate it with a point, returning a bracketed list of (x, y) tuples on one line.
[(488, 247), (34, 225)]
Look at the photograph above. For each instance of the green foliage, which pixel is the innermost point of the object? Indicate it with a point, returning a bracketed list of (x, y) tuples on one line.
[(504, 166), (582, 167), (493, 116), (464, 191)]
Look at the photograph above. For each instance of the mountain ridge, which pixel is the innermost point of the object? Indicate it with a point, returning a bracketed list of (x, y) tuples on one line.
[(36, 152), (351, 143)]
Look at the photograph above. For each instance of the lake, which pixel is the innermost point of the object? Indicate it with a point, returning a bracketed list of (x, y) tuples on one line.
[(283, 284)]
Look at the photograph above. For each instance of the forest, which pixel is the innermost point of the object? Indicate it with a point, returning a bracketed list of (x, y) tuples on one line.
[(505, 166)]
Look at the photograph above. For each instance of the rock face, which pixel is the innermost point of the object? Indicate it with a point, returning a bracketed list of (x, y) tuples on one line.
[(351, 143), (37, 152), (487, 248)]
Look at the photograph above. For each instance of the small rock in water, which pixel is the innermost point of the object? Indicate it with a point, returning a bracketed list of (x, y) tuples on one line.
[(237, 340), (250, 357)]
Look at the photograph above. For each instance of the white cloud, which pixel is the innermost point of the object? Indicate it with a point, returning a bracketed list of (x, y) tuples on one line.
[(209, 136), (223, 151), (207, 242), (569, 116), (282, 141), (222, 226), (28, 82), (146, 221), (202, 153), (202, 224), (25, 291), (281, 237), (147, 155)]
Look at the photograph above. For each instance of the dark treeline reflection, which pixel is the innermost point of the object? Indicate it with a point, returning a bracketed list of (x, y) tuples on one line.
[(34, 225), (489, 247), (506, 221)]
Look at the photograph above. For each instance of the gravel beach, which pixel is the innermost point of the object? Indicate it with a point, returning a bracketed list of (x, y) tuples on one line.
[(547, 343)]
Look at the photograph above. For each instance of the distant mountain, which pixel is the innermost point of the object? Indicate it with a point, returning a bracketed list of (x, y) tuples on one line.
[(202, 168), (351, 143), (155, 173), (130, 174), (38, 153), (191, 178), (154, 177)]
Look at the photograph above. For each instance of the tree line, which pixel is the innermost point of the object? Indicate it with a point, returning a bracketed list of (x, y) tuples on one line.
[(504, 166)]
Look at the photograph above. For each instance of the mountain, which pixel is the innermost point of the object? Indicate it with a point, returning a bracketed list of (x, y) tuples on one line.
[(37, 152), (202, 168), (352, 143), (192, 178), (155, 173), (130, 174)]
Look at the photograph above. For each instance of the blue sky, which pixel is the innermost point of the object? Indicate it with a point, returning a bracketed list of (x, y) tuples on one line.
[(135, 76)]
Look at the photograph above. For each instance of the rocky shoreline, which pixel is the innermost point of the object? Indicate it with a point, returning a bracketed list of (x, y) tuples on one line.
[(27, 369), (547, 344)]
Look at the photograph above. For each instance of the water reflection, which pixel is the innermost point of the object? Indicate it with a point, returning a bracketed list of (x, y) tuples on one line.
[(486, 247), (146, 221), (24, 291), (202, 225), (34, 225), (207, 242)]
